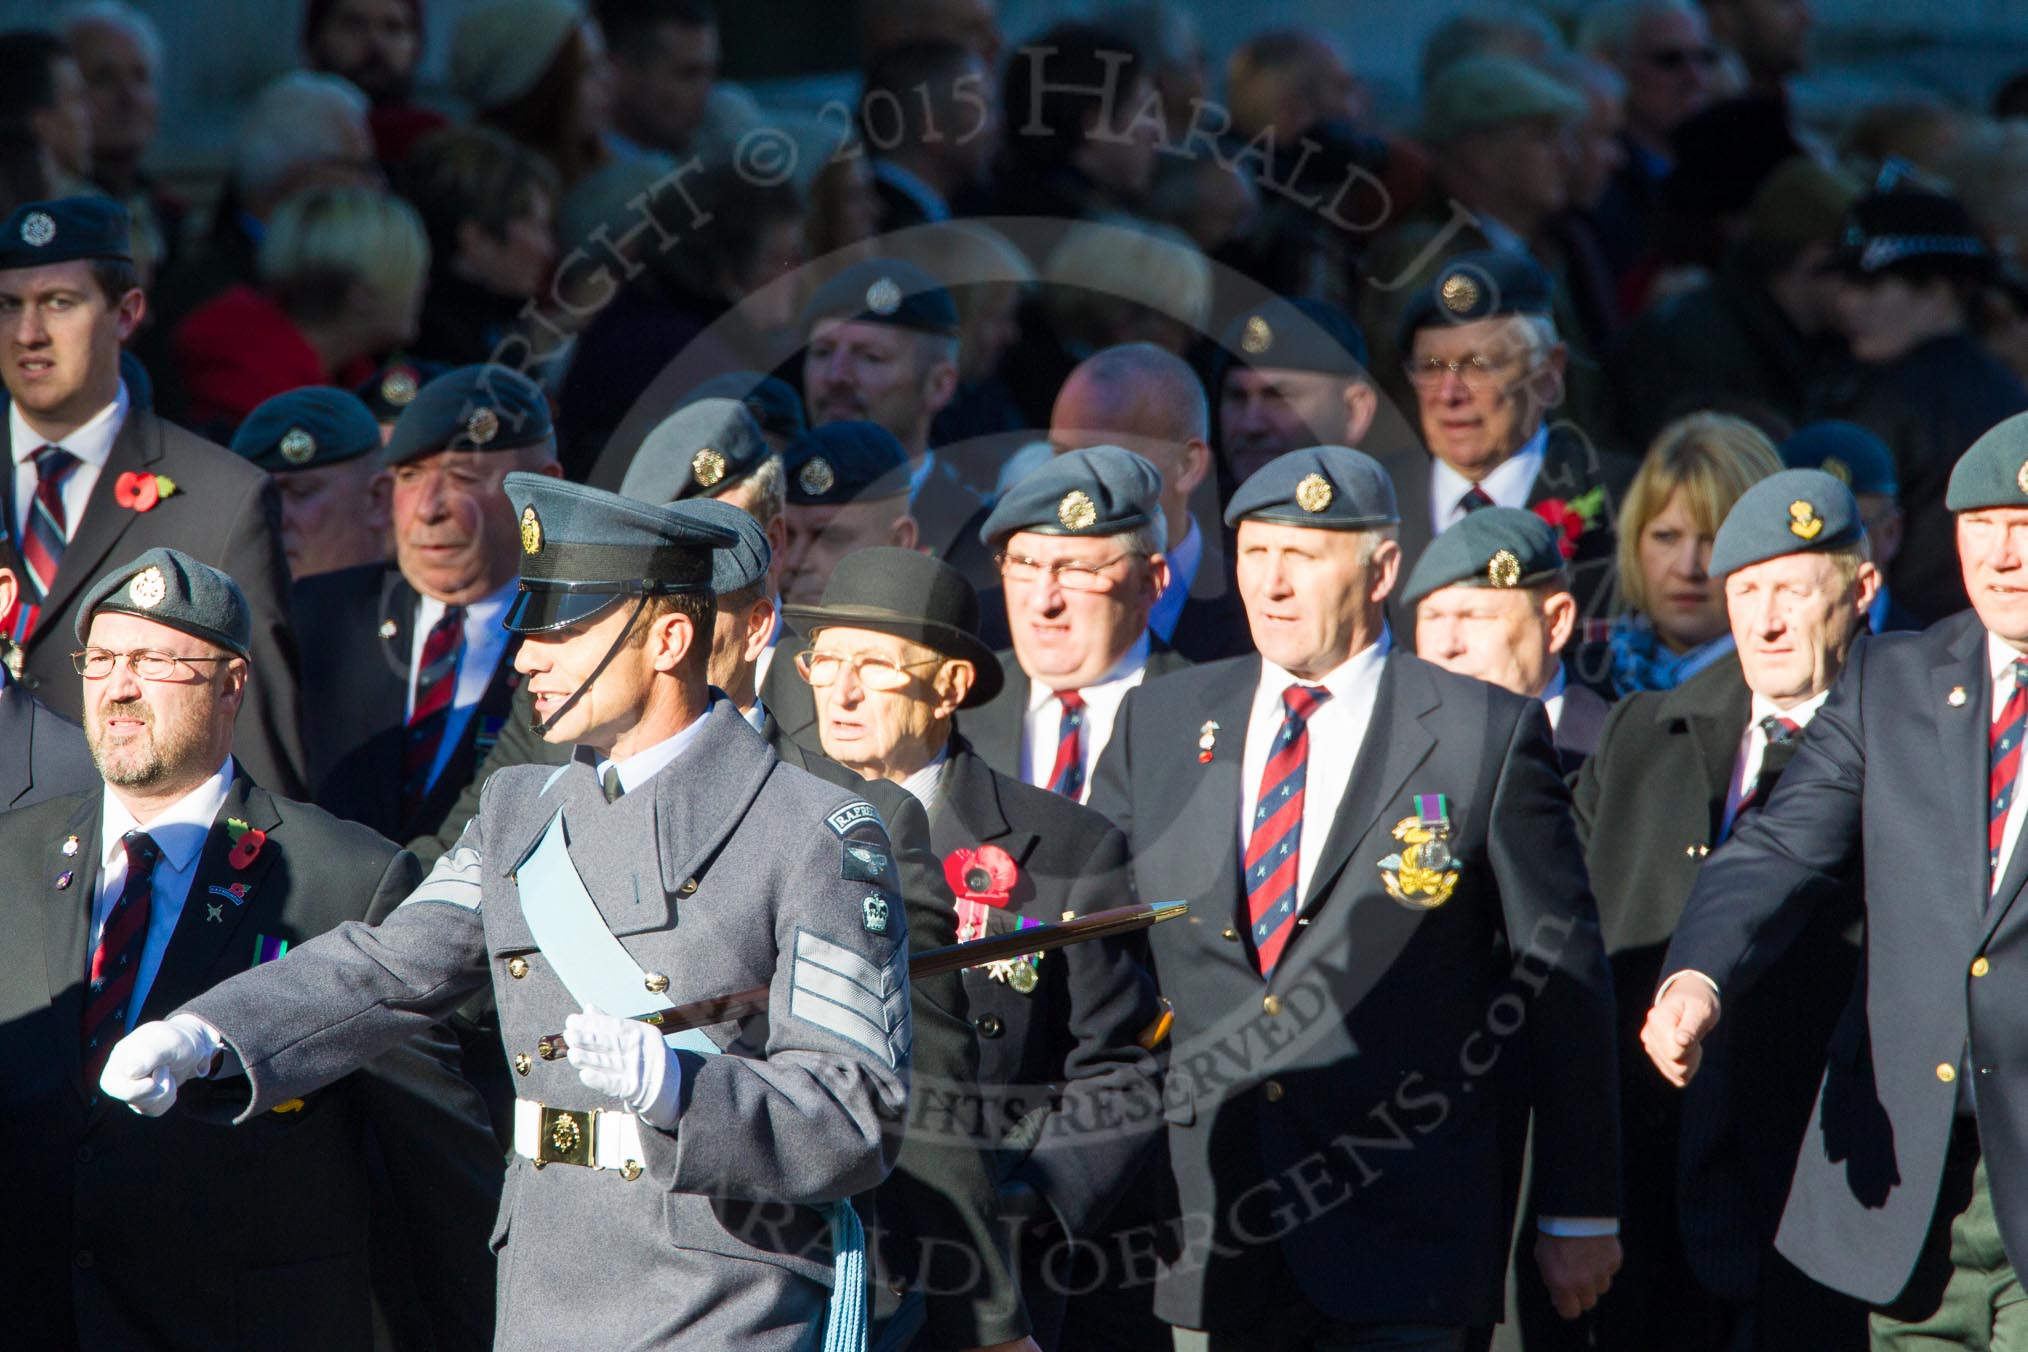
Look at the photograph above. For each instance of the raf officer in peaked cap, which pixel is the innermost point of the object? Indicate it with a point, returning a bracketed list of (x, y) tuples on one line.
[(702, 1174), (173, 872), (1911, 1189), (321, 446), (92, 472), (1377, 853), (407, 665)]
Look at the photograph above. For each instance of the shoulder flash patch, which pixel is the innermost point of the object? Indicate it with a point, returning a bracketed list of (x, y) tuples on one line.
[(851, 815)]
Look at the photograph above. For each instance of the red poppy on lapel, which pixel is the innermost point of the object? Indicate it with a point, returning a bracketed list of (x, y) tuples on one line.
[(246, 843), (140, 492), (986, 874)]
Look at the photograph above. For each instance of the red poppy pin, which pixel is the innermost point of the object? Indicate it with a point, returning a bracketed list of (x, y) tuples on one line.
[(1572, 516), (246, 843), (140, 492), (986, 874)]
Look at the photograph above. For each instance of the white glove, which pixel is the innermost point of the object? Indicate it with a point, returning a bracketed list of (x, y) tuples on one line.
[(627, 1060), (145, 1067)]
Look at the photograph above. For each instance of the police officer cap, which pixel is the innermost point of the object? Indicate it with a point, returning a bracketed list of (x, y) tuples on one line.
[(1473, 286), (910, 595), (1845, 451), (64, 230), (1100, 490), (1994, 472), (1793, 511), (745, 562), (584, 549), (1298, 334), (1911, 232), (1326, 487), (777, 408), (1498, 547), (885, 291), (169, 587), (700, 449), (390, 390), (306, 428), (845, 462), (473, 408)]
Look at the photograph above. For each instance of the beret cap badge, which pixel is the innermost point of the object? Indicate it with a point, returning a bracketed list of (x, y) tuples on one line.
[(707, 467), (1256, 337), (482, 426), (1804, 523), (1076, 511), (2021, 477), (884, 296), (39, 229), (398, 386), (816, 477), (1313, 494), (531, 531), (148, 588), (297, 446), (1837, 469), (1459, 293), (1503, 569)]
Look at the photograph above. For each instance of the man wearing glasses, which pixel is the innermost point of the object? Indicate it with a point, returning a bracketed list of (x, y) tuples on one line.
[(175, 872), (1079, 544), (1487, 366)]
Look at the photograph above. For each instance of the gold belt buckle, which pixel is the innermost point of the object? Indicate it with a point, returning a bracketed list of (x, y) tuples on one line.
[(565, 1137)]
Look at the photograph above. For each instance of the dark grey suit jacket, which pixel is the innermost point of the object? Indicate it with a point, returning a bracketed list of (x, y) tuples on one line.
[(41, 755)]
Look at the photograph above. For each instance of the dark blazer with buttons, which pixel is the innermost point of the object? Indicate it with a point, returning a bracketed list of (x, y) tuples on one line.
[(1713, 1161), (1894, 770), (225, 512), (994, 729), (1366, 1089), (355, 689), (41, 755), (260, 1238)]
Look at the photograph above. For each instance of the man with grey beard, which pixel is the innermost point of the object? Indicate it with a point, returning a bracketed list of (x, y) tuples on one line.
[(132, 898)]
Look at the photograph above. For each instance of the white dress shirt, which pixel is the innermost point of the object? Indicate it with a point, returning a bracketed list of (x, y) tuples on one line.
[(1552, 698), (1508, 485), (92, 444), (485, 642), (1336, 730), (1042, 724), (1999, 656), (1753, 748), (179, 833), (924, 783), (1184, 561), (648, 762)]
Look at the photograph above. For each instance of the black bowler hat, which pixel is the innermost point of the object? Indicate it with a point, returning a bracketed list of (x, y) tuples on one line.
[(62, 231), (305, 429), (584, 549), (885, 291), (912, 596)]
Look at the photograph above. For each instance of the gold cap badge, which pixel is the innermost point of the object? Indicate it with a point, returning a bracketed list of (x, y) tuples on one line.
[(816, 477), (1076, 511), (1804, 522), (297, 446), (707, 467), (398, 386), (1256, 337), (482, 426), (883, 297), (1459, 293), (531, 530), (1503, 569), (1313, 494), (1837, 469), (148, 589)]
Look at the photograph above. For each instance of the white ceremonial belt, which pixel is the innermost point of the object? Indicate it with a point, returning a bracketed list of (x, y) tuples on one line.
[(591, 1138)]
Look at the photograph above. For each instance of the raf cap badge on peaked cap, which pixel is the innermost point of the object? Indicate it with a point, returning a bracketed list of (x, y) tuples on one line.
[(531, 531)]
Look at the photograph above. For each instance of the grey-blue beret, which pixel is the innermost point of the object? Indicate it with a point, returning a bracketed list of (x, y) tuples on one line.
[(700, 449), (1326, 487), (303, 429), (744, 562), (1994, 472), (1100, 490), (1845, 451), (485, 407), (1497, 547), (1794, 511), (169, 587)]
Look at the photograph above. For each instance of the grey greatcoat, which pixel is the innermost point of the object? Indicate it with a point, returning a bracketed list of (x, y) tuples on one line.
[(727, 870)]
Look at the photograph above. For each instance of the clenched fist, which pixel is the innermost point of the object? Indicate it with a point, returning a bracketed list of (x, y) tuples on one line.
[(1681, 1019)]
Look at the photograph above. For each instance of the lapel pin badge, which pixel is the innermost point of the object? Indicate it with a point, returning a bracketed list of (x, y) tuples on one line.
[(70, 847), (388, 628), (63, 880), (1207, 740), (1956, 698), (214, 912)]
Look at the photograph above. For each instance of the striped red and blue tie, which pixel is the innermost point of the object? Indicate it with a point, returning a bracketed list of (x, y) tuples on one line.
[(1274, 849), (2005, 755), (48, 528), (116, 962), (1067, 775), (436, 681)]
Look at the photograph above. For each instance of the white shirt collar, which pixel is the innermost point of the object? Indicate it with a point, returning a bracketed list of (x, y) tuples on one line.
[(923, 783), (1361, 666), (645, 764), (91, 443), (1800, 715), (756, 717), (1508, 485), (178, 831), (1130, 662), (2000, 654)]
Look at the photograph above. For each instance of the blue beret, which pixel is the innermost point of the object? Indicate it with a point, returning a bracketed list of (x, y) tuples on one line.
[(1994, 472), (169, 587), (885, 291), (1325, 487), (1100, 490), (700, 449), (845, 462), (777, 408), (1793, 511), (305, 428), (390, 390), (67, 229), (1297, 334), (473, 408), (1845, 451), (1474, 286), (745, 562), (1493, 547), (583, 548)]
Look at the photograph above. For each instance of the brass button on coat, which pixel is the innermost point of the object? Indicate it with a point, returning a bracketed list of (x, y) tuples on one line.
[(1946, 1072), (1273, 1090), (1980, 967), (1271, 1005), (689, 887), (655, 982), (522, 1063), (517, 968)]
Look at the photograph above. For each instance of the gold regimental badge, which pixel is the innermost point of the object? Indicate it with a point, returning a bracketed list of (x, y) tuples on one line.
[(1424, 873), (1076, 511), (1804, 523), (1257, 337), (1503, 569), (707, 467), (1313, 494), (1459, 293), (149, 588), (531, 531)]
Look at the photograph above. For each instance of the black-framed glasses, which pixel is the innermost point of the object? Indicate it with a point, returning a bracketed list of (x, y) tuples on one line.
[(1070, 574), (875, 673), (96, 664)]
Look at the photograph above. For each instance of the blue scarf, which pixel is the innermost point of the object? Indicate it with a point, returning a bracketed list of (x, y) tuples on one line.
[(1640, 662)]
